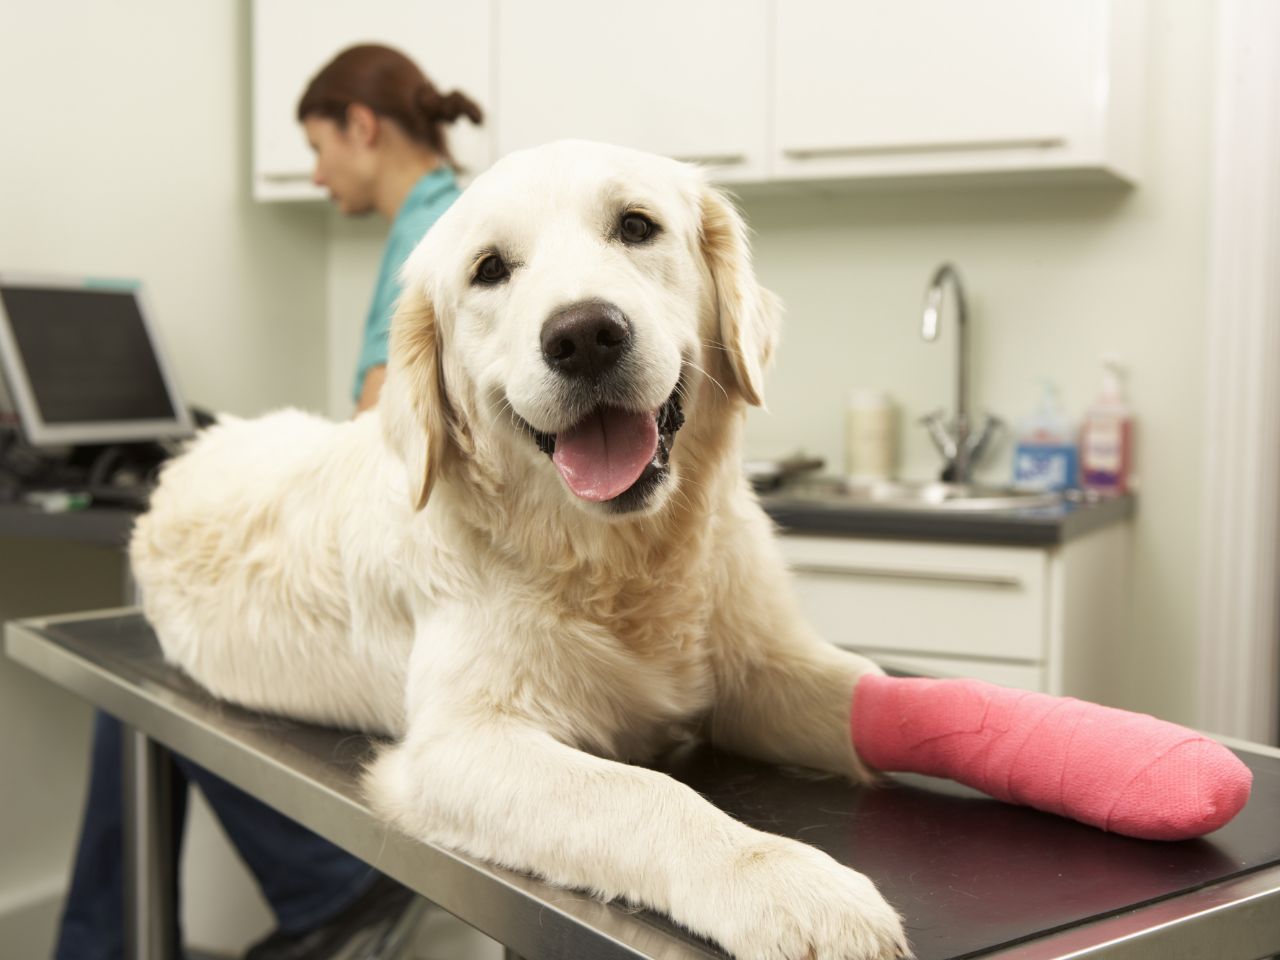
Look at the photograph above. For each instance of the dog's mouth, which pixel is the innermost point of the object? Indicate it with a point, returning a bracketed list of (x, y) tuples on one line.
[(614, 455)]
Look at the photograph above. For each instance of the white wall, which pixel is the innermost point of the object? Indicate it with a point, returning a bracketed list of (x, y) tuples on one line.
[(355, 252), (1056, 277), (124, 152)]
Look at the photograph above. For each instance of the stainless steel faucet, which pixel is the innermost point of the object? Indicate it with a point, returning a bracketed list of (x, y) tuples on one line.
[(962, 442)]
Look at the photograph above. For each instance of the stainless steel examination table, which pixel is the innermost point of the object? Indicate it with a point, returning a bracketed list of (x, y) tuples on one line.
[(973, 877)]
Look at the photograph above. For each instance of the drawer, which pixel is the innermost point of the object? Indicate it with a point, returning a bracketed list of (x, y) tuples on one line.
[(1022, 676), (930, 599)]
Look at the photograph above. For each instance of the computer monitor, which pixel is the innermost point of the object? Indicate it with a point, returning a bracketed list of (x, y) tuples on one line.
[(82, 363)]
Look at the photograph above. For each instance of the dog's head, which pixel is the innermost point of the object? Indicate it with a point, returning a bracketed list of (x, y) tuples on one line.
[(562, 320)]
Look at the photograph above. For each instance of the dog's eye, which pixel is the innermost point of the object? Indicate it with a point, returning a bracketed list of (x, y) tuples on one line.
[(636, 228), (492, 269)]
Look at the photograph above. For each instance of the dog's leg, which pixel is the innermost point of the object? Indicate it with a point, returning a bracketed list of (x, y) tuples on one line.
[(783, 694), (514, 795), (496, 785), (791, 704), (1120, 771)]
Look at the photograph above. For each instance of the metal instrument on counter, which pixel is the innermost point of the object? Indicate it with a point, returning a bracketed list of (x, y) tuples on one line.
[(770, 474)]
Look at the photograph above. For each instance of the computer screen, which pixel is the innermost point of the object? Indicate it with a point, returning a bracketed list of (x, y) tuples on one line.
[(82, 364)]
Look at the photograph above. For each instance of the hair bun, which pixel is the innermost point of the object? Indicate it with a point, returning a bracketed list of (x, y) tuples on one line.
[(446, 108), (457, 104)]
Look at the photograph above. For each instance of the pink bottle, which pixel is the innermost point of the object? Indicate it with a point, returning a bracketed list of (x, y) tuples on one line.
[(1106, 439)]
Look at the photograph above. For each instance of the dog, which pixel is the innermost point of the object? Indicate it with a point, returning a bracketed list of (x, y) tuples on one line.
[(538, 560)]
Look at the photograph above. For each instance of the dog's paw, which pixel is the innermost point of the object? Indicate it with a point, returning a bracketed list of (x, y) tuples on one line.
[(788, 901)]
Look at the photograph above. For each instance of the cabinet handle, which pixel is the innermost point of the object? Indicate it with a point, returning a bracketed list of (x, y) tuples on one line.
[(712, 159), (286, 177), (940, 146), (927, 576)]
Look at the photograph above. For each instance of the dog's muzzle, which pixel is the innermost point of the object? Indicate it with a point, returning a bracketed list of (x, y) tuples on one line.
[(614, 453)]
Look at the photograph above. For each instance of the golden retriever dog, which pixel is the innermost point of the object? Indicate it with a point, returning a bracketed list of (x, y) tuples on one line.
[(538, 559)]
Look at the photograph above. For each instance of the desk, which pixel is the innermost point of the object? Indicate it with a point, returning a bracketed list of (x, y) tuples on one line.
[(973, 877), (95, 526)]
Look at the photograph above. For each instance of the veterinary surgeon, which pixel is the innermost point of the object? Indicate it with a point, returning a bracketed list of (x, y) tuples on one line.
[(376, 129), (376, 124)]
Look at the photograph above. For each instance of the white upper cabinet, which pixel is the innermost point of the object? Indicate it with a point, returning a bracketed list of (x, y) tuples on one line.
[(688, 80), (757, 90), (292, 39), (873, 88)]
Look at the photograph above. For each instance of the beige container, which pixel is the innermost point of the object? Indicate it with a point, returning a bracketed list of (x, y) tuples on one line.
[(871, 436)]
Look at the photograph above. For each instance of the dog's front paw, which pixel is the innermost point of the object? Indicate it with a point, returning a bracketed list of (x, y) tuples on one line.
[(785, 900)]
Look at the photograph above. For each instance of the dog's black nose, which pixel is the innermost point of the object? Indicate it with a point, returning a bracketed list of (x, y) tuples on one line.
[(585, 339)]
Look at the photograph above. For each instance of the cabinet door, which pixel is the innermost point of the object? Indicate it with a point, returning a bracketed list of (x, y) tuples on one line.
[(689, 80), (868, 87), (292, 39)]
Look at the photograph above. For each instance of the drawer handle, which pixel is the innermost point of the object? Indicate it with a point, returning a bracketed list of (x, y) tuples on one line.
[(927, 576), (941, 146), (713, 159), (286, 177)]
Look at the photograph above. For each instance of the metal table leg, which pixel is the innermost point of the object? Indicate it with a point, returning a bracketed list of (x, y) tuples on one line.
[(149, 898)]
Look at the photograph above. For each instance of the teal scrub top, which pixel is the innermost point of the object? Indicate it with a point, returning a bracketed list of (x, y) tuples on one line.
[(429, 198)]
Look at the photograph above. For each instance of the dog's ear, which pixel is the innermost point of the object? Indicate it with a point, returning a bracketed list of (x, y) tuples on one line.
[(413, 405), (749, 315)]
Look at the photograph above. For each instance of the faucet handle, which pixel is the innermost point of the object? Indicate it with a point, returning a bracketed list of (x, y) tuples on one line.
[(978, 440), (942, 438)]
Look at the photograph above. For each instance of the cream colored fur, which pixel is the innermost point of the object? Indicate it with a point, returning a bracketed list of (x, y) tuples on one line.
[(424, 572)]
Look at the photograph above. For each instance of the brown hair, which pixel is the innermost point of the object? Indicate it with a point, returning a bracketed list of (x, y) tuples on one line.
[(392, 86)]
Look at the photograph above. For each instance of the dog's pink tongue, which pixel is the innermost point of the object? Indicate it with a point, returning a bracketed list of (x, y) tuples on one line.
[(606, 453)]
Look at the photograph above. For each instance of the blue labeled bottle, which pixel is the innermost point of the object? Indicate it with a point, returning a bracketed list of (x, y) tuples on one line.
[(1045, 457)]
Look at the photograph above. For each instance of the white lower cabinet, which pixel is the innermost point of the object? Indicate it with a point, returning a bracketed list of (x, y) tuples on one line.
[(1039, 618)]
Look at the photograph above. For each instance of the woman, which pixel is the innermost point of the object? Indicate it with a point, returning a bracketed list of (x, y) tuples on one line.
[(376, 124)]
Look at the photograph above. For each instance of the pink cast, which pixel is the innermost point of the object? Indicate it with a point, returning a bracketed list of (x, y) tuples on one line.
[(1124, 772)]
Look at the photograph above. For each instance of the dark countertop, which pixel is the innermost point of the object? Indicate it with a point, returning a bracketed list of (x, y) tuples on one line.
[(110, 526), (1037, 526)]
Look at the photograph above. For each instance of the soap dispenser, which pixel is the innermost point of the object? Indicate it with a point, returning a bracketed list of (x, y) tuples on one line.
[(1045, 456), (1106, 439)]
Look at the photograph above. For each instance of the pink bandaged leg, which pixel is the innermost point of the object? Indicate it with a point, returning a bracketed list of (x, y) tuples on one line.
[(1125, 772)]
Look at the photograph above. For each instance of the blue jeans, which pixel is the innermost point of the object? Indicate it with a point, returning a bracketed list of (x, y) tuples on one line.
[(305, 879)]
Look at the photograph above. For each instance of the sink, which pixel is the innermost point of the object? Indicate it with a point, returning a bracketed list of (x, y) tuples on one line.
[(916, 495)]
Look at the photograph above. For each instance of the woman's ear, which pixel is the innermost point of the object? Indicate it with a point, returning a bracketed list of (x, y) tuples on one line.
[(749, 316), (362, 124), (414, 406)]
